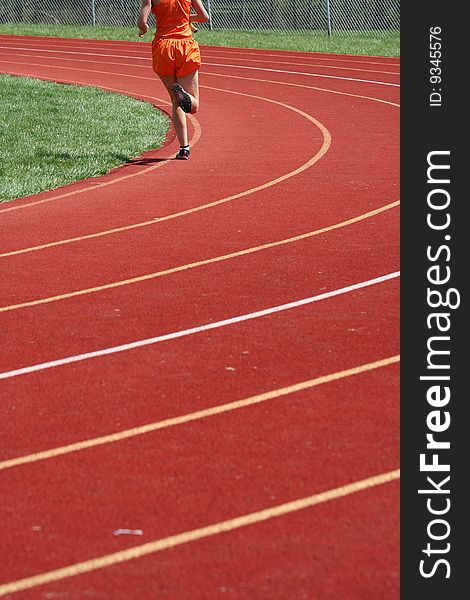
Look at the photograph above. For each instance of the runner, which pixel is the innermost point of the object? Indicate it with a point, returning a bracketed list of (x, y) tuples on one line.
[(176, 57)]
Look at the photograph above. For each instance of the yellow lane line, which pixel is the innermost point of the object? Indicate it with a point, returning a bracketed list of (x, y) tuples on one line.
[(194, 416), (199, 263), (108, 560)]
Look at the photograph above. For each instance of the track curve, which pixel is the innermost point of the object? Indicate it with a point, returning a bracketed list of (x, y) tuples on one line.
[(255, 436)]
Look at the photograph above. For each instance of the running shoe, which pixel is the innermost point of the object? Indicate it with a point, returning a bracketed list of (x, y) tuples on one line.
[(184, 99), (183, 154)]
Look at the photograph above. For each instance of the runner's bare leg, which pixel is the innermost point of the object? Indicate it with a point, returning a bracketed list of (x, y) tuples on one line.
[(178, 115)]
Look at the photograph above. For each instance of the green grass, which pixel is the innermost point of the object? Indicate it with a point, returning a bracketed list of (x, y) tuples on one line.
[(53, 134), (303, 42), (360, 43)]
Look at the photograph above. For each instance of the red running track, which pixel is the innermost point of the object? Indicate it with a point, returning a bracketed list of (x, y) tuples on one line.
[(199, 374)]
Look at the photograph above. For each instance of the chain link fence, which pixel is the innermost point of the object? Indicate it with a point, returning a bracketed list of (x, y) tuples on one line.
[(379, 17)]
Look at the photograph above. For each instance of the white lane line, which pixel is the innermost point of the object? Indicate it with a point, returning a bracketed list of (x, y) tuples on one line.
[(148, 59), (218, 65), (309, 64), (185, 332), (225, 51), (250, 60), (301, 73), (349, 59)]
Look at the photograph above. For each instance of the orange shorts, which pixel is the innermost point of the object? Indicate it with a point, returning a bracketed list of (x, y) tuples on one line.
[(177, 57)]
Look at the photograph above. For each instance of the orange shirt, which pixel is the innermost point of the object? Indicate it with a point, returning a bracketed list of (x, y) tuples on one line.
[(172, 18)]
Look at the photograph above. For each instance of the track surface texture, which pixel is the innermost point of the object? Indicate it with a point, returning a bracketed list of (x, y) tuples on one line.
[(199, 359)]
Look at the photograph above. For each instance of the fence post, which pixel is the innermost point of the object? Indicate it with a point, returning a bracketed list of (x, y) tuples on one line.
[(93, 15), (328, 17), (209, 10)]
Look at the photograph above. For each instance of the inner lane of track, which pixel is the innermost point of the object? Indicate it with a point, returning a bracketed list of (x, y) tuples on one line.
[(311, 209)]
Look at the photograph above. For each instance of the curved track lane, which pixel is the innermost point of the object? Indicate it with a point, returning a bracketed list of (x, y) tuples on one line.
[(204, 356)]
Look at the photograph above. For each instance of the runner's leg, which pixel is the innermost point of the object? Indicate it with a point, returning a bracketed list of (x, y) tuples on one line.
[(179, 117), (190, 84)]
